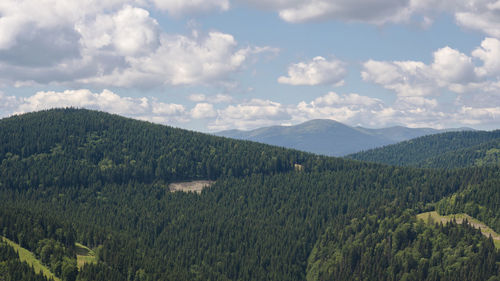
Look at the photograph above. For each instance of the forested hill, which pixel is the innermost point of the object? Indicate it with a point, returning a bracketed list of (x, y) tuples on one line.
[(72, 176), (447, 150), (80, 146)]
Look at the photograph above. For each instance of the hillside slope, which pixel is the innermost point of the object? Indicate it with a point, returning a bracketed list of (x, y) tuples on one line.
[(447, 150)]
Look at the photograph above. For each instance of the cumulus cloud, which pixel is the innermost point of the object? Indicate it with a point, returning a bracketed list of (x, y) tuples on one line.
[(355, 109), (417, 86), (168, 109), (222, 98), (377, 12), (8, 104), (106, 100), (203, 110), (249, 115), (349, 108), (197, 97), (218, 98), (453, 67), (128, 32), (450, 69), (181, 60), (482, 15), (315, 72), (406, 78), (489, 53), (141, 108), (352, 109), (112, 43), (181, 7), (475, 116)]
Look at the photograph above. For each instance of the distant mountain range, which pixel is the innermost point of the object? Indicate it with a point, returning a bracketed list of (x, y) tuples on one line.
[(329, 137)]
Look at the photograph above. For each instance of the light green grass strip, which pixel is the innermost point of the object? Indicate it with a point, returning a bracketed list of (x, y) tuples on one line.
[(459, 218), (29, 257), (84, 255)]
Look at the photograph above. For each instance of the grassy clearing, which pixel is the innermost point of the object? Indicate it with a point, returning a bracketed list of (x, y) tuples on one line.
[(459, 218), (29, 257), (84, 255)]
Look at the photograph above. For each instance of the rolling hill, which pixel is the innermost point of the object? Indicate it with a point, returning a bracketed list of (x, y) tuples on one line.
[(447, 150), (329, 137), (73, 177)]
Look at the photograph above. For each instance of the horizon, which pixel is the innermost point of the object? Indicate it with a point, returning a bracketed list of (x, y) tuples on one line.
[(253, 129)]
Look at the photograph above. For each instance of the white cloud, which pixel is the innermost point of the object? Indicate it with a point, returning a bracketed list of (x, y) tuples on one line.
[(355, 100), (112, 43), (218, 98), (406, 78), (250, 114), (469, 115), (221, 98), (453, 67), (482, 15), (315, 72), (417, 85), (140, 108), (130, 31), (450, 69), (8, 104), (182, 7), (203, 110), (19, 17), (489, 53), (106, 100), (181, 60), (353, 109), (169, 109), (197, 97), (349, 108), (377, 12), (372, 12)]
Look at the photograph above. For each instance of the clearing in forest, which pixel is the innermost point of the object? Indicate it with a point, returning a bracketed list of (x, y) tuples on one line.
[(190, 186), (84, 255), (29, 258), (459, 218)]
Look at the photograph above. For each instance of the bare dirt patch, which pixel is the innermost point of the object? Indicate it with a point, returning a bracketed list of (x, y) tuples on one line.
[(190, 186)]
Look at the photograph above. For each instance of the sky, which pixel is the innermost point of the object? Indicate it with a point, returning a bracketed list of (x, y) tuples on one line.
[(212, 65)]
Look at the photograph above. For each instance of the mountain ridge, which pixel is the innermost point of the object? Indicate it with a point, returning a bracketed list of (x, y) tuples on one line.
[(446, 150), (330, 137)]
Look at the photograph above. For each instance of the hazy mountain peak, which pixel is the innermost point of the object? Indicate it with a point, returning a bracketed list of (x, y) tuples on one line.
[(330, 137)]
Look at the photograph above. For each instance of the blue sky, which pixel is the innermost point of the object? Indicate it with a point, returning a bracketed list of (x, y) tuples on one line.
[(211, 65)]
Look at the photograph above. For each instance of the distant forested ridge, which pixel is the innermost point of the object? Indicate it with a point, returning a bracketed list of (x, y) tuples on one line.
[(447, 150), (72, 175)]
